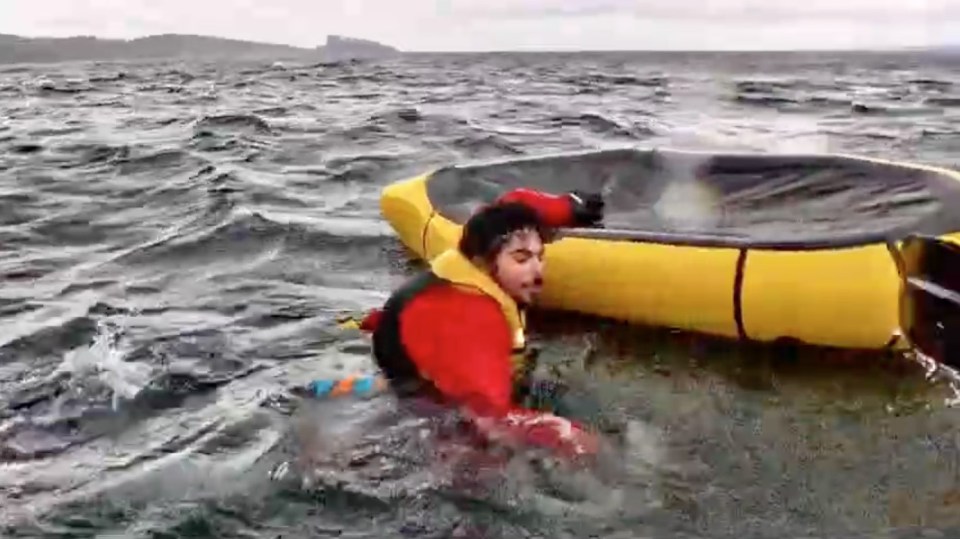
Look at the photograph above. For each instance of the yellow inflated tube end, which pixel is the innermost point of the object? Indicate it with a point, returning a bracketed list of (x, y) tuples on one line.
[(952, 238), (837, 297), (407, 208)]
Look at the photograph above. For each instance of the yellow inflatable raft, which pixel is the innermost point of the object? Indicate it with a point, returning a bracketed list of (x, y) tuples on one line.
[(751, 246)]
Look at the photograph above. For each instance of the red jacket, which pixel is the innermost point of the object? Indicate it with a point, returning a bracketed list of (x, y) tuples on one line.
[(461, 341)]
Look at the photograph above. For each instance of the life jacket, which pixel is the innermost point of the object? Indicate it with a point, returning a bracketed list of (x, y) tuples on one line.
[(450, 268)]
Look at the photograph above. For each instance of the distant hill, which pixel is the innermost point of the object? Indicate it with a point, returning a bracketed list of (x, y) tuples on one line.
[(18, 49), (344, 48), (940, 49)]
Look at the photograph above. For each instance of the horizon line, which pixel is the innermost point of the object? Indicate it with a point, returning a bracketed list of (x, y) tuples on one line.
[(305, 48)]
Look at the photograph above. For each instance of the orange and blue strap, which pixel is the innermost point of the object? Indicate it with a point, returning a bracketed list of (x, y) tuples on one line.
[(353, 385)]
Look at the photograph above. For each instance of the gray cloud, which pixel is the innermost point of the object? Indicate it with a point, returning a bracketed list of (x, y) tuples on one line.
[(738, 10), (509, 24)]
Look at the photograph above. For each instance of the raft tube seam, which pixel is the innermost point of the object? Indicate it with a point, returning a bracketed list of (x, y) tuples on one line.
[(738, 294), (897, 338), (426, 232), (895, 255)]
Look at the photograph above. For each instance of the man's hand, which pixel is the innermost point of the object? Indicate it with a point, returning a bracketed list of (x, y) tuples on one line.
[(367, 323), (562, 437), (587, 208)]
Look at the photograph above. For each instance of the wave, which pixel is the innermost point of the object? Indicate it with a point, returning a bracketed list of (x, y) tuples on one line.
[(397, 123), (860, 107), (152, 162), (362, 168), (598, 123), (246, 236), (118, 77), (17, 70), (19, 207), (766, 100), (612, 79), (51, 131), (95, 153), (26, 148), (222, 220), (273, 112), (52, 88), (400, 115), (944, 101), (79, 400), (45, 339), (486, 146), (245, 123), (933, 84), (795, 100), (161, 88)]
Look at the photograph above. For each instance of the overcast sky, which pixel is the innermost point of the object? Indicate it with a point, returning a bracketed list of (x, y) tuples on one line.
[(457, 25)]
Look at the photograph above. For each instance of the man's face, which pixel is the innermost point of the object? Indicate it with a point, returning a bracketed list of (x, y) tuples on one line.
[(518, 267)]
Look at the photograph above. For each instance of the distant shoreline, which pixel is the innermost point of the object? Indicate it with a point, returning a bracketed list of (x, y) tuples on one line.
[(20, 49), (688, 51), (894, 50), (28, 49)]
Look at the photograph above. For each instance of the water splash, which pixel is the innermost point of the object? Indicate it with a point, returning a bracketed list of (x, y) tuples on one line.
[(104, 357), (935, 371), (688, 202)]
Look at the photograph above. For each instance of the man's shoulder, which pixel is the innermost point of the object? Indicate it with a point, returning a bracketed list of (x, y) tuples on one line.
[(455, 316), (446, 299), (446, 293)]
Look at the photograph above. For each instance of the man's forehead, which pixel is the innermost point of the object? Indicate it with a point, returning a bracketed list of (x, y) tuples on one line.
[(524, 240)]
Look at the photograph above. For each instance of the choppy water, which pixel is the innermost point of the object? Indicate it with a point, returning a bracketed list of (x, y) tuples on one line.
[(176, 239)]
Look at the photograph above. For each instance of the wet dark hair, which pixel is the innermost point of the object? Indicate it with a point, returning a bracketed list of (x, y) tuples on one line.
[(487, 230)]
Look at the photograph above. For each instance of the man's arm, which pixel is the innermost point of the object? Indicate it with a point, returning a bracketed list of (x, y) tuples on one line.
[(370, 321), (462, 344), (569, 209), (461, 341)]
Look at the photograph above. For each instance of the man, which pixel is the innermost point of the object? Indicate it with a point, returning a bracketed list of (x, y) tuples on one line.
[(455, 334)]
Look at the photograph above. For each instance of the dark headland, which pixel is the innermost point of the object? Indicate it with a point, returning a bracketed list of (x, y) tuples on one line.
[(18, 49)]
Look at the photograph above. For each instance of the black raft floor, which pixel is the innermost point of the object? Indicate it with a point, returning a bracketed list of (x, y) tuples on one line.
[(745, 200)]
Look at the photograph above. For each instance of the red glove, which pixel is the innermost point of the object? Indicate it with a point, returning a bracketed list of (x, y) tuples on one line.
[(562, 437)]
